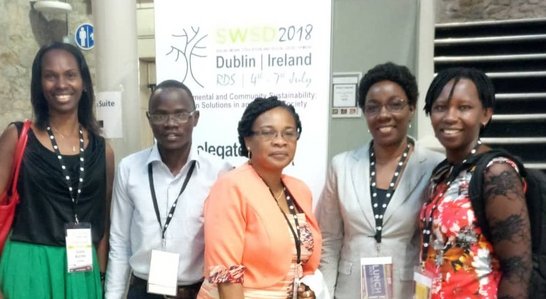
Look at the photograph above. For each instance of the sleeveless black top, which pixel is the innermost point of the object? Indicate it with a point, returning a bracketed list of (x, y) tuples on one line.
[(45, 205)]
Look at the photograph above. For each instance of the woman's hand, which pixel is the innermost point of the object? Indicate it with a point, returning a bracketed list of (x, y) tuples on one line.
[(304, 292)]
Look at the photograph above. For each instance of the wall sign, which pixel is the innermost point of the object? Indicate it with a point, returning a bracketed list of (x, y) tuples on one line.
[(84, 36)]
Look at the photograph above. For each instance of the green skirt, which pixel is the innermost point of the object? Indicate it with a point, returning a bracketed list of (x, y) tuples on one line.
[(39, 272)]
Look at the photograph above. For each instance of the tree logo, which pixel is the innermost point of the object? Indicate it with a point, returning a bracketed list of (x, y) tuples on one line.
[(186, 48)]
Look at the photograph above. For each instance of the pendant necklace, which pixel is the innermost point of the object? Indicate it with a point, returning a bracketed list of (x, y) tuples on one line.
[(74, 196), (63, 137)]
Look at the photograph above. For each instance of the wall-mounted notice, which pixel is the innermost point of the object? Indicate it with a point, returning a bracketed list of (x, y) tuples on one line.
[(230, 52), (108, 107), (344, 95)]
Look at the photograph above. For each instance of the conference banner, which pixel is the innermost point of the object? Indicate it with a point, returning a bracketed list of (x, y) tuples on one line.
[(231, 52)]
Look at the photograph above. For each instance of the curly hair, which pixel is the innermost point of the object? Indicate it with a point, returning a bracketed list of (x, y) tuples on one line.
[(87, 100), (398, 74), (486, 89), (254, 110)]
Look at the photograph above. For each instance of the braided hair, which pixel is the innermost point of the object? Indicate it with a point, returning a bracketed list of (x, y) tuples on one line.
[(484, 86), (389, 71), (254, 110)]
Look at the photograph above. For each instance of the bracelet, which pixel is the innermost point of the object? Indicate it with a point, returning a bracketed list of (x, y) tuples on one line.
[(102, 276)]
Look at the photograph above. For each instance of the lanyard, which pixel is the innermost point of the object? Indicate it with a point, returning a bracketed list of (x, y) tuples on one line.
[(296, 232), (74, 197), (380, 208), (173, 207), (427, 217), (447, 173)]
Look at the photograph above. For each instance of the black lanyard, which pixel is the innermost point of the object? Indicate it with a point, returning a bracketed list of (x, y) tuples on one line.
[(296, 232), (380, 208), (74, 197), (427, 219), (173, 207), (446, 173)]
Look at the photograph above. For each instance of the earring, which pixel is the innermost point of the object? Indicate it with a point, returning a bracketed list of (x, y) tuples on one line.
[(249, 153), (293, 163), (409, 126)]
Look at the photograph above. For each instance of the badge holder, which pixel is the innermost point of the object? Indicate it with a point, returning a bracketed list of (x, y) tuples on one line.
[(163, 277), (423, 283), (295, 288), (79, 247), (376, 278)]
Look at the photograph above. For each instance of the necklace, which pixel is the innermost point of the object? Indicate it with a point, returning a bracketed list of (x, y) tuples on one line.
[(292, 209), (380, 208), (278, 196), (295, 231), (74, 197), (63, 137)]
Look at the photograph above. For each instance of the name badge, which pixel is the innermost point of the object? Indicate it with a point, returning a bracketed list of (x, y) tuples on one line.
[(79, 247), (163, 277), (423, 283), (376, 278)]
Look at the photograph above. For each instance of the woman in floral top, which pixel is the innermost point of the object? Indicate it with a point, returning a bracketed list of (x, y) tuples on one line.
[(461, 260)]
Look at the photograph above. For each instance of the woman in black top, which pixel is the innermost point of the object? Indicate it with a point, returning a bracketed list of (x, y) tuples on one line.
[(65, 186)]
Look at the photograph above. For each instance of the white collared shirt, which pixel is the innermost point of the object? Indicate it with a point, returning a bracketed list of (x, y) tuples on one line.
[(134, 229)]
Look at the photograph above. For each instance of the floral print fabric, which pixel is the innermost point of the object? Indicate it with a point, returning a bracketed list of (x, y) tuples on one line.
[(220, 274), (459, 256)]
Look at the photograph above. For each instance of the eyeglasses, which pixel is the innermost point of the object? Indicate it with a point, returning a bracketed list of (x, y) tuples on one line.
[(161, 118), (394, 106), (267, 135)]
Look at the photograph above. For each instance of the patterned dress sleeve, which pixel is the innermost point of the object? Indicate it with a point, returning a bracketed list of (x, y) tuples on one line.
[(507, 216)]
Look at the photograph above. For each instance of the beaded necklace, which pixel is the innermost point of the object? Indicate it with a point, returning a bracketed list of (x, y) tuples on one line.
[(427, 219), (74, 197), (378, 208)]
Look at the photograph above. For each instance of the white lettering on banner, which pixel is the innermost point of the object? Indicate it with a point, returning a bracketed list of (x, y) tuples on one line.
[(234, 55)]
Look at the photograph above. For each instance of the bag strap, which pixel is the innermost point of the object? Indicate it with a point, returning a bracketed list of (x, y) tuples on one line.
[(18, 155)]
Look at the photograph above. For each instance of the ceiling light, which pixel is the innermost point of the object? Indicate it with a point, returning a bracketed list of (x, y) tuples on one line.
[(51, 6)]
